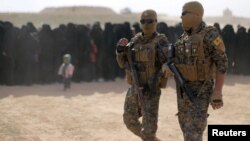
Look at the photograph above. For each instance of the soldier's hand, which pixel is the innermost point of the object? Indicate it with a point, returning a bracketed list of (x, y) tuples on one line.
[(123, 42), (167, 72), (216, 100), (120, 47)]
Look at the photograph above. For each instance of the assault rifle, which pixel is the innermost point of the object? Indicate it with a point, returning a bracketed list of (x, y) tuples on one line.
[(178, 76), (134, 74)]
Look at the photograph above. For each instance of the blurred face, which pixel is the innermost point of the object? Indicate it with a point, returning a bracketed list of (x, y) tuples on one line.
[(187, 18), (148, 22), (65, 60), (191, 16), (148, 25)]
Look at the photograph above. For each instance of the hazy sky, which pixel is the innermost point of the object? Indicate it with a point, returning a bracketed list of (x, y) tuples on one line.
[(169, 7)]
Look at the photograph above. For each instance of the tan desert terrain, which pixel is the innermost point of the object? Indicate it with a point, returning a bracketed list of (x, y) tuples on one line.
[(93, 111)]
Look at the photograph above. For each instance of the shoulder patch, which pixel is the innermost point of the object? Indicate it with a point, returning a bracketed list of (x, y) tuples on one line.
[(219, 44)]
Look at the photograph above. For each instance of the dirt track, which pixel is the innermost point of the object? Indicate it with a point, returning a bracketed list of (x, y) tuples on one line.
[(93, 111)]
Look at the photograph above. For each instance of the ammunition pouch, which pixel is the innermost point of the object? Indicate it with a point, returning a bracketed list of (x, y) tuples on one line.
[(200, 71), (142, 71), (204, 71), (161, 80)]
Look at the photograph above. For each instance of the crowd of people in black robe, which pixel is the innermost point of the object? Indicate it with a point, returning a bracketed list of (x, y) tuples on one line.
[(30, 55)]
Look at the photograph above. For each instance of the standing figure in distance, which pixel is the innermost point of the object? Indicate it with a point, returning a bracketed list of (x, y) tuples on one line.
[(201, 59), (66, 70), (148, 52)]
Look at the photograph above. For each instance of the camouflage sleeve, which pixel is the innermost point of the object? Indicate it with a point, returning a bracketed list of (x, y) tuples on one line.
[(162, 49), (121, 59), (216, 49)]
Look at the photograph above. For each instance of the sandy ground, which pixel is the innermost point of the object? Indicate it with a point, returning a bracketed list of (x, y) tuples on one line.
[(93, 111)]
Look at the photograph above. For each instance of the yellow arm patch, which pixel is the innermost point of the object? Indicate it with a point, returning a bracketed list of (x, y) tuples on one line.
[(219, 44)]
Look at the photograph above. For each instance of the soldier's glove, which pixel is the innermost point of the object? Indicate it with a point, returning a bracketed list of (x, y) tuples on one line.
[(167, 72), (121, 44), (216, 100)]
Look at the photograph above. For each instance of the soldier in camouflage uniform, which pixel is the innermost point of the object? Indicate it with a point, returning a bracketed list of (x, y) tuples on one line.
[(200, 57), (149, 52)]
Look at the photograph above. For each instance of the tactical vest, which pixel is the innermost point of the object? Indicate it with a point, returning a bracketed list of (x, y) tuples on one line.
[(192, 60), (144, 59)]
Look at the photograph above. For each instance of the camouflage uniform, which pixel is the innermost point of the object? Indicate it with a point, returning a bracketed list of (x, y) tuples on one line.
[(149, 55), (200, 57), (197, 57)]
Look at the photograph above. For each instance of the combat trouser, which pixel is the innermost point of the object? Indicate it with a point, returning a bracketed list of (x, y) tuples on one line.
[(149, 112), (193, 118)]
